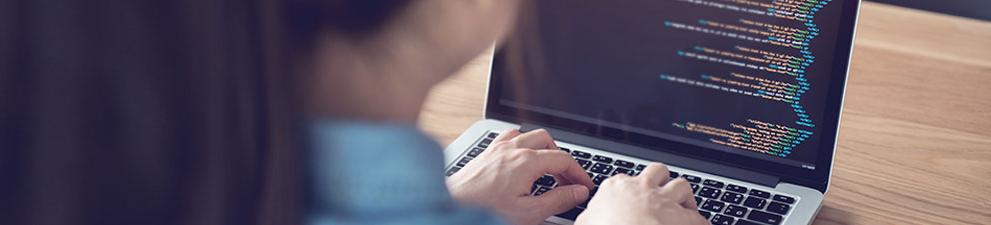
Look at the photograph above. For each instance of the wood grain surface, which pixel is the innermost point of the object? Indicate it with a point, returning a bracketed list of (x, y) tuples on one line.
[(915, 138)]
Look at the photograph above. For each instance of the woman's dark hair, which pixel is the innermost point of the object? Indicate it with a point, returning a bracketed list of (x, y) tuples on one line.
[(346, 15), (157, 112)]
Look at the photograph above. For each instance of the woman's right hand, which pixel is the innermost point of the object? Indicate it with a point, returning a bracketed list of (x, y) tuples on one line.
[(649, 198), (501, 177)]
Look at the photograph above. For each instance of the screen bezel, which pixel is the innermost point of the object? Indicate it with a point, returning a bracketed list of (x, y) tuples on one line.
[(817, 178)]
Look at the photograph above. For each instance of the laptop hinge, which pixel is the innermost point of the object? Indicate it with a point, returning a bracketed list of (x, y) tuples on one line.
[(659, 156)]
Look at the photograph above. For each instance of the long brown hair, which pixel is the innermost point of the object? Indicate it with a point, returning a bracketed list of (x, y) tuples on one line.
[(158, 112)]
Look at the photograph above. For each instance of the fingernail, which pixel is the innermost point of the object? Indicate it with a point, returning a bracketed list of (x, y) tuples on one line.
[(580, 193)]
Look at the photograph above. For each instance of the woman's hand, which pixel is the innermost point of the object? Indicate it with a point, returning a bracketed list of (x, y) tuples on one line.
[(500, 178), (645, 199)]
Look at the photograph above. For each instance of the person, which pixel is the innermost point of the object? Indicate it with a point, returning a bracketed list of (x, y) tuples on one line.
[(271, 112), (402, 59)]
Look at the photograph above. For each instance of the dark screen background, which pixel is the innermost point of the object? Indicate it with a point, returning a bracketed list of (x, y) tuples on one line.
[(601, 61)]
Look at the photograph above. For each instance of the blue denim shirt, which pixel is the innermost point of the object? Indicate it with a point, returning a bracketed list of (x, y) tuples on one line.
[(369, 173)]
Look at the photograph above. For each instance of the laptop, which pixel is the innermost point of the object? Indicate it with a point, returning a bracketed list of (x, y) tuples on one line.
[(742, 98)]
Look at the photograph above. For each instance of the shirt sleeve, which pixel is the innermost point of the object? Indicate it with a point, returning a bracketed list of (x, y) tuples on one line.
[(367, 173)]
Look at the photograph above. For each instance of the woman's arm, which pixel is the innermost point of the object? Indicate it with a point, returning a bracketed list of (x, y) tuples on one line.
[(380, 173)]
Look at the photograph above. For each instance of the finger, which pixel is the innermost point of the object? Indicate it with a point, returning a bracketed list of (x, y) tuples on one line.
[(535, 139), (561, 199), (698, 217), (656, 174), (560, 163), (680, 191), (506, 135)]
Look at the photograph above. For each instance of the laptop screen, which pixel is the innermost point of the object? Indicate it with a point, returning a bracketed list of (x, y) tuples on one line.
[(747, 78)]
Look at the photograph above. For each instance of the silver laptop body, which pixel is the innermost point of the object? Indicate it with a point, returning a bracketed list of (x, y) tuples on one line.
[(761, 190)]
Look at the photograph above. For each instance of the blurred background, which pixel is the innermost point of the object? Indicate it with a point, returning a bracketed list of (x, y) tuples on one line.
[(977, 9)]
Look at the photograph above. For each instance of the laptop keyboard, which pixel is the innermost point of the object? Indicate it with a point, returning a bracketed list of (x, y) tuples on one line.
[(720, 202)]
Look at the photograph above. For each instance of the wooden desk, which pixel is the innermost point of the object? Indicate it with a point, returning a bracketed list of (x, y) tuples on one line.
[(915, 139)]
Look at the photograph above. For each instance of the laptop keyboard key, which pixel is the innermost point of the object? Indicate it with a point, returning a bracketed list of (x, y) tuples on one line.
[(624, 164), (546, 181), (764, 217), (736, 188), (732, 197), (708, 192), (581, 154), (736, 211), (698, 200), (784, 199), (602, 159), (485, 143), (571, 214), (600, 168), (705, 214), (640, 167), (622, 170), (713, 183), (754, 202), (475, 152), (779, 208), (464, 161), (541, 190), (713, 205), (492, 135), (599, 178), (672, 174), (454, 169), (722, 220), (584, 163), (691, 178), (759, 193), (695, 188), (746, 222)]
